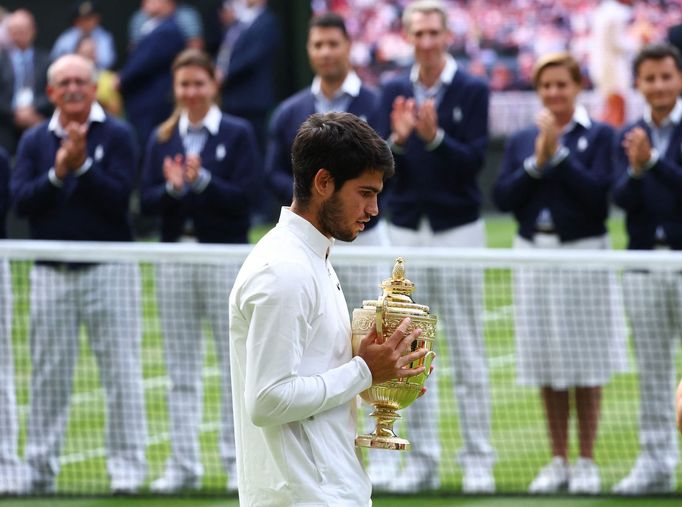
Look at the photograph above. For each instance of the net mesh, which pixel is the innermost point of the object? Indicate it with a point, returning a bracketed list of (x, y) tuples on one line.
[(113, 360)]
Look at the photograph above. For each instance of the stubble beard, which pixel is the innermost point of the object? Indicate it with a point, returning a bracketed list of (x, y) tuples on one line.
[(332, 219)]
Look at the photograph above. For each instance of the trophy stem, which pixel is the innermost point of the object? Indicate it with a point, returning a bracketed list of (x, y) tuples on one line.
[(383, 436)]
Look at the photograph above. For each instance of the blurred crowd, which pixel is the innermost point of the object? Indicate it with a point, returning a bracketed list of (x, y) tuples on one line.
[(496, 39)]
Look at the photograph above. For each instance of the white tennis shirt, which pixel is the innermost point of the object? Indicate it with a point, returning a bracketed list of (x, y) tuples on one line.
[(294, 379)]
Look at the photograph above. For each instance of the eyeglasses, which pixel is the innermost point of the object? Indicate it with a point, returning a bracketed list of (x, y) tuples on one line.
[(65, 83)]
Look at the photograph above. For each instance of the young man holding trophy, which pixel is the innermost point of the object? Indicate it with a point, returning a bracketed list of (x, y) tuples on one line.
[(294, 380)]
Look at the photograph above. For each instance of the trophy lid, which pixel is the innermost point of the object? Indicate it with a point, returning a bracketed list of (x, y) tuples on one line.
[(397, 293)]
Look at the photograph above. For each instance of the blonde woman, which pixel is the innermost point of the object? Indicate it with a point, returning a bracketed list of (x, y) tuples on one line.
[(200, 172), (555, 179)]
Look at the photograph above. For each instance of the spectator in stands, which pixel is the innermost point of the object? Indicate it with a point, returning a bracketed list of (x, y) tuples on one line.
[(186, 16), (648, 185), (200, 173), (555, 178), (72, 180), (245, 64), (86, 23), (145, 80), (610, 57), (336, 87), (23, 68), (107, 94), (437, 117), (12, 480)]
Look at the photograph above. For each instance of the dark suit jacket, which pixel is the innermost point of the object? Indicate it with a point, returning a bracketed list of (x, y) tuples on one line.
[(146, 81), (90, 207), (249, 86), (284, 125), (4, 191), (220, 213), (654, 199), (9, 133), (441, 184), (575, 190)]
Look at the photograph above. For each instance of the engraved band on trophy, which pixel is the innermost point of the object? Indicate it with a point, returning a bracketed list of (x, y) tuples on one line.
[(388, 397)]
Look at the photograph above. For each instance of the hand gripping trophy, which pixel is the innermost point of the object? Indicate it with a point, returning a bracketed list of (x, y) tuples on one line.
[(387, 397)]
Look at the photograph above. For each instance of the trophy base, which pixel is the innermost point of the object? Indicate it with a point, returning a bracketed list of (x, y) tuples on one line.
[(376, 442)]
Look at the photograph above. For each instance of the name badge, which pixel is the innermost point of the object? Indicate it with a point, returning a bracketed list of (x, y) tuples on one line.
[(220, 152), (582, 144)]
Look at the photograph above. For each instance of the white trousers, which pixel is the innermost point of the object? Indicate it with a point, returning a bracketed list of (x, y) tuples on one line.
[(187, 294), (653, 302), (10, 467), (455, 295), (105, 299)]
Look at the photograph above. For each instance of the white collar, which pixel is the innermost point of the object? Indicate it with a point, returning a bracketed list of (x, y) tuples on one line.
[(580, 117), (446, 76), (674, 117), (97, 114), (211, 121), (319, 243), (351, 85)]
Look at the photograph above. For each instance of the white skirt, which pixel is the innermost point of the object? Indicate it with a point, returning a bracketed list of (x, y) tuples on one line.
[(570, 323)]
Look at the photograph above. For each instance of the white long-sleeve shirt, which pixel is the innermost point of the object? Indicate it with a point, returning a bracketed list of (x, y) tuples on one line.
[(294, 379)]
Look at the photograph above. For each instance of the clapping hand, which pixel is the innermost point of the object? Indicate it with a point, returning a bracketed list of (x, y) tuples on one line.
[(547, 141), (637, 148)]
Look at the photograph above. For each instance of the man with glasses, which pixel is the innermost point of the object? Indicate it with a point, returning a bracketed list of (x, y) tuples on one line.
[(72, 181)]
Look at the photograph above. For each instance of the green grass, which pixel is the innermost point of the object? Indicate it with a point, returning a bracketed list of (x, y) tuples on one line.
[(518, 436)]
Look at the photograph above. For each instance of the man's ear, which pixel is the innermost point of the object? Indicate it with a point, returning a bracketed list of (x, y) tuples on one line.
[(323, 183)]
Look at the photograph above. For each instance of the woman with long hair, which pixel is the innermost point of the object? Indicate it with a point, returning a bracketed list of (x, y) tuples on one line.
[(201, 171)]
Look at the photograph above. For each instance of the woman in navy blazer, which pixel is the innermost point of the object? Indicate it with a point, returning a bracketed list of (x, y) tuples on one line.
[(555, 179), (200, 172)]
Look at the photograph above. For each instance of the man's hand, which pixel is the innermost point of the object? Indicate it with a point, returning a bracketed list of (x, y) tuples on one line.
[(637, 148), (403, 119), (427, 121), (388, 360), (76, 145)]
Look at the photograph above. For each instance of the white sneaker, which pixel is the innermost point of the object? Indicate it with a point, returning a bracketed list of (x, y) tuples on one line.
[(584, 477), (173, 481), (645, 477), (478, 479), (551, 478), (125, 485), (11, 484), (415, 477)]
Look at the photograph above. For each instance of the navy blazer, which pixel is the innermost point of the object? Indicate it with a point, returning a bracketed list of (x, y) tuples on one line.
[(90, 207), (220, 213), (441, 184), (575, 190), (653, 200), (284, 125), (146, 81), (249, 85), (4, 192)]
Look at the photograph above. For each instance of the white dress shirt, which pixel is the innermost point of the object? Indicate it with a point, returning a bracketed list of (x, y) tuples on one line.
[(294, 379)]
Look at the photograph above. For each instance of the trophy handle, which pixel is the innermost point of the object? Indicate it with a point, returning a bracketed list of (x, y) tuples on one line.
[(428, 358), (382, 309)]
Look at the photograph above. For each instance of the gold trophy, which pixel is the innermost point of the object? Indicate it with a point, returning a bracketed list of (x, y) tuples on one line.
[(388, 397)]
